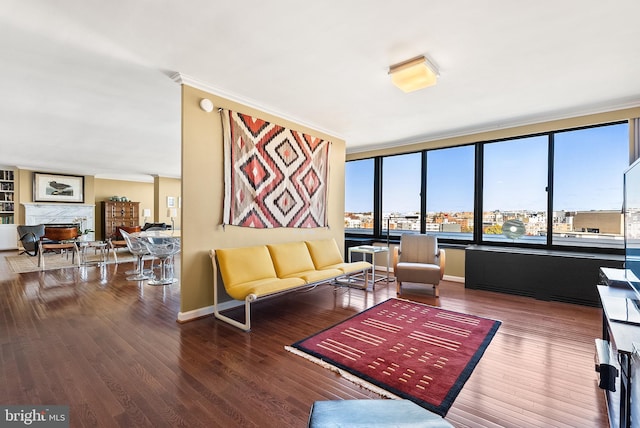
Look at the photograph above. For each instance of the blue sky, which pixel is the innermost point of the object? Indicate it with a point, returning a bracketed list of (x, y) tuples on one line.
[(589, 166)]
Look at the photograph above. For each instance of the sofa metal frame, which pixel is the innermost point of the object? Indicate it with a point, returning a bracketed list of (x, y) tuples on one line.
[(246, 325)]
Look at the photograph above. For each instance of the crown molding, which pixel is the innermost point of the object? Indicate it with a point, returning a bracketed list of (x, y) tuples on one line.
[(183, 79), (141, 178), (122, 176)]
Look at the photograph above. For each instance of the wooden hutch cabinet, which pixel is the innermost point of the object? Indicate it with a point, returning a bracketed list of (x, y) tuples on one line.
[(116, 214)]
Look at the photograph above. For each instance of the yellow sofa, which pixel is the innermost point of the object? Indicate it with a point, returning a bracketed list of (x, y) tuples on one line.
[(252, 273)]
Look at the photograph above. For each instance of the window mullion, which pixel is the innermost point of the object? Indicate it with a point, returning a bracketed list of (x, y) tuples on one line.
[(550, 191)]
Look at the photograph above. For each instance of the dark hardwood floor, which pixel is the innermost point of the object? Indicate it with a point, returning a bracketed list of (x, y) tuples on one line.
[(113, 351)]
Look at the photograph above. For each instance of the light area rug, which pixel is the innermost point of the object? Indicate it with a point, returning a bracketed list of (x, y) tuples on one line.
[(25, 263), (404, 349)]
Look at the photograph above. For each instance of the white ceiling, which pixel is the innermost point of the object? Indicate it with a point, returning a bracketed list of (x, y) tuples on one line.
[(85, 85)]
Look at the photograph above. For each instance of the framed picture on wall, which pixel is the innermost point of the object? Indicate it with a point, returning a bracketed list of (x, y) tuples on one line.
[(171, 202), (57, 187)]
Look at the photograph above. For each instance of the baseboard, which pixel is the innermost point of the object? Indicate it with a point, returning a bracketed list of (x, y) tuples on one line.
[(206, 311)]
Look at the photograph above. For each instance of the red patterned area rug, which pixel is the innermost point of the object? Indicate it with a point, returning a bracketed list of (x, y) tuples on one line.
[(403, 349)]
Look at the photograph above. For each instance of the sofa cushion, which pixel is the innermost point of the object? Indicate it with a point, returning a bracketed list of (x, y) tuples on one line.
[(242, 265), (290, 258), (311, 276), (264, 287), (324, 253), (352, 267)]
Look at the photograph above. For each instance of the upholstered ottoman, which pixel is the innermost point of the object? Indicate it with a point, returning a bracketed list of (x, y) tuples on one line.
[(372, 413)]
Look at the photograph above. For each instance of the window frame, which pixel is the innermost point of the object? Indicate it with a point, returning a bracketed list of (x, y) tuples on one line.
[(368, 232), (421, 191), (477, 238)]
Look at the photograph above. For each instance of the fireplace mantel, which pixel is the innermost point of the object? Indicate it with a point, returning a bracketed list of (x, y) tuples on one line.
[(40, 213)]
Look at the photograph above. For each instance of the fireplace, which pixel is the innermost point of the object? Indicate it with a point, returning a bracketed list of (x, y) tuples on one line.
[(61, 215)]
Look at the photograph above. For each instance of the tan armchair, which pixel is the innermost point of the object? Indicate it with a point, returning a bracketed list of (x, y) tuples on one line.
[(418, 259)]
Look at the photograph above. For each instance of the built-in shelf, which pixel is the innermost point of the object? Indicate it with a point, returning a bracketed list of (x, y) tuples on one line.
[(7, 204), (8, 238)]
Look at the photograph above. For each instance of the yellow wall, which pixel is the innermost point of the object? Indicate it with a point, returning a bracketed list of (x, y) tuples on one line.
[(135, 191), (24, 191), (455, 262), (164, 188), (203, 190)]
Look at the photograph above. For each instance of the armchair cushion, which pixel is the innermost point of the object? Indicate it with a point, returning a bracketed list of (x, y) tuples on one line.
[(155, 226), (373, 414), (418, 272), (418, 249)]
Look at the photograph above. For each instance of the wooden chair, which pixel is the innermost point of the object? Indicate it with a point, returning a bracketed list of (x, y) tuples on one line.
[(59, 240), (418, 259)]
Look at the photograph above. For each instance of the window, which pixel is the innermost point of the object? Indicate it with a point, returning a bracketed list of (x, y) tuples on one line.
[(514, 188), (401, 192), (558, 189), (358, 204), (587, 186), (450, 184)]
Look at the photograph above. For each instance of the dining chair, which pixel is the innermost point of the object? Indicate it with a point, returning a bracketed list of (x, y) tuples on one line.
[(136, 245), (163, 247)]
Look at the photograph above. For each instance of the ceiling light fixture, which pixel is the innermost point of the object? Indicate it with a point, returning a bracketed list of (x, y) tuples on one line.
[(414, 74)]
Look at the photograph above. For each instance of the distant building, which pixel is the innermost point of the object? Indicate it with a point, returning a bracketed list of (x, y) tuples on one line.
[(576, 224), (353, 223), (610, 222), (432, 227), (450, 227)]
